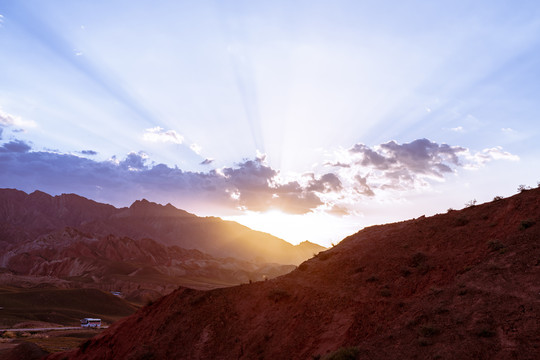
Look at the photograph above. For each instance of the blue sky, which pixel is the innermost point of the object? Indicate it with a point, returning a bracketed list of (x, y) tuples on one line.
[(306, 119)]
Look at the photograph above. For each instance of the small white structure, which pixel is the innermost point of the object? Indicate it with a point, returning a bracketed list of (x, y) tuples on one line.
[(90, 323)]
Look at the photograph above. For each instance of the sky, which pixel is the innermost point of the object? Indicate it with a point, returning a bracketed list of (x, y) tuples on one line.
[(306, 119)]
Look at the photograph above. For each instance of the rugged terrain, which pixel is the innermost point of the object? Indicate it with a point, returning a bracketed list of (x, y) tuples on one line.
[(24, 217), (139, 269), (461, 285), (141, 252)]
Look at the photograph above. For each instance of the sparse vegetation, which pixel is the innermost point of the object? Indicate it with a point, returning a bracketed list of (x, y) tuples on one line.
[(522, 188), (324, 255), (277, 295), (422, 341), (461, 220), (385, 292), (497, 198), (372, 278), (428, 331), (495, 245), (470, 203), (485, 333), (418, 259), (525, 224), (344, 353), (405, 272)]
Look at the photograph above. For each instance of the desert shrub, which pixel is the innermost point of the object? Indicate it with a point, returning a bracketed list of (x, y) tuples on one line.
[(522, 188), (405, 272), (344, 353), (385, 293), (372, 278), (495, 245), (525, 224), (485, 333), (450, 210), (461, 221), (303, 266), (148, 355), (497, 198), (84, 345), (278, 294), (470, 203), (422, 341), (429, 331), (324, 255), (418, 259)]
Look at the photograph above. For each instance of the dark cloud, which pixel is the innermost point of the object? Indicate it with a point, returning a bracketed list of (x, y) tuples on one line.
[(252, 184), (248, 185), (15, 146), (402, 166), (361, 186), (134, 161), (326, 183), (207, 161), (420, 156), (89, 152)]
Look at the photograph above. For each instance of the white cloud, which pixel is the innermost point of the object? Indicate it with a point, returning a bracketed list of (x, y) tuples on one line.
[(15, 121), (158, 134), (481, 158), (508, 130), (457, 129), (196, 148)]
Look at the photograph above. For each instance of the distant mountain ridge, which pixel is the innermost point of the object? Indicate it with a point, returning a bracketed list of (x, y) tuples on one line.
[(23, 217)]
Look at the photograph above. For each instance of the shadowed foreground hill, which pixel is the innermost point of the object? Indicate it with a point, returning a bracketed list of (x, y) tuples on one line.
[(463, 285)]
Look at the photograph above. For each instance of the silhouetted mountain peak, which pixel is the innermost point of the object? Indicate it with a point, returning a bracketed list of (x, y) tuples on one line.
[(149, 208)]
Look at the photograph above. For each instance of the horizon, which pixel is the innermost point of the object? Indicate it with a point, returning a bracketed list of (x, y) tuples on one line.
[(305, 120)]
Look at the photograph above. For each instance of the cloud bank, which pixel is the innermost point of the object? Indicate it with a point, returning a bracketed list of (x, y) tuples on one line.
[(356, 173)]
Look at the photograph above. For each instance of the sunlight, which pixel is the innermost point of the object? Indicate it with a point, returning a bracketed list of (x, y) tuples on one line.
[(315, 227)]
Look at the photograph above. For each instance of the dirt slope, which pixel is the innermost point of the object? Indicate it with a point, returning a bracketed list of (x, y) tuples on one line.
[(462, 285)]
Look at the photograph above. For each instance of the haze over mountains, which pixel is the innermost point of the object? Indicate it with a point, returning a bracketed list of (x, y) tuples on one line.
[(145, 250), (461, 285)]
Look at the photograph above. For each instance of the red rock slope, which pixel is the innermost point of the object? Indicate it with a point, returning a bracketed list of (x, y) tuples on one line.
[(462, 285)]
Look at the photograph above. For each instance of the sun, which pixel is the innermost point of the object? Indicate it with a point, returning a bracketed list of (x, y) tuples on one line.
[(294, 228)]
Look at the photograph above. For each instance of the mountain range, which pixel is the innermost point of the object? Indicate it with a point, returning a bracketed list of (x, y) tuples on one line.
[(459, 285), (143, 252)]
